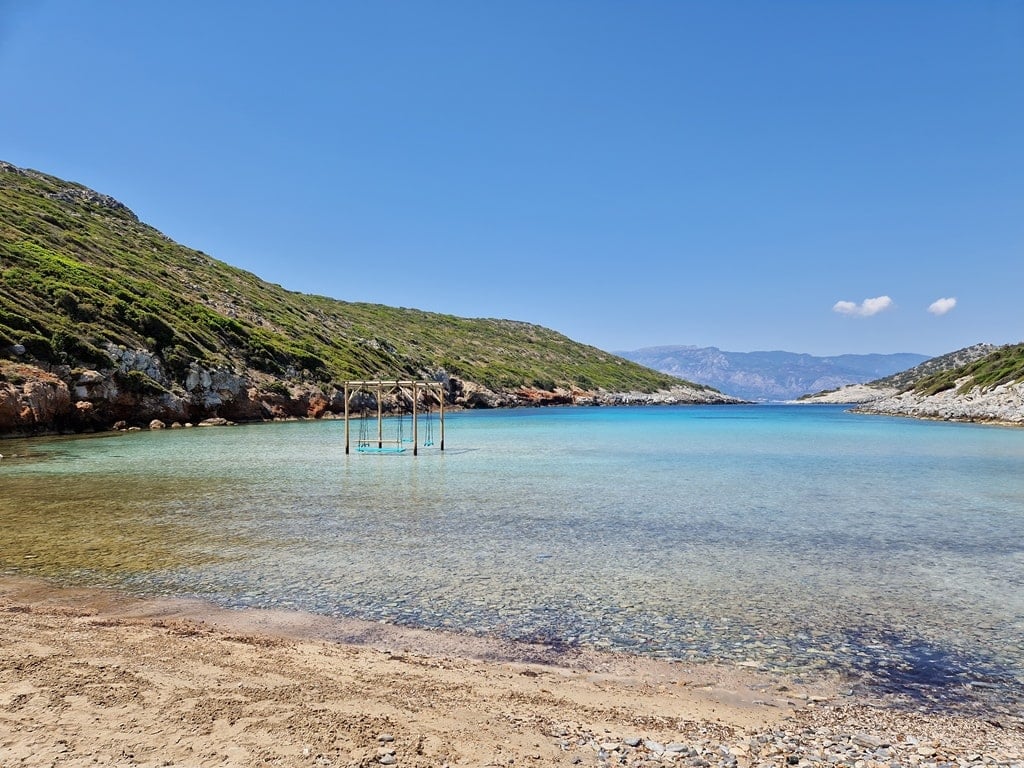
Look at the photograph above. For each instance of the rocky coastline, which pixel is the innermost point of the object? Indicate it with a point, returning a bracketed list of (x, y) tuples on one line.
[(982, 383), (138, 392), (1003, 404)]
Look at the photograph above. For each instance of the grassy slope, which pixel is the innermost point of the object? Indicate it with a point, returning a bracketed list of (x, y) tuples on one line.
[(1003, 366), (78, 270), (938, 373)]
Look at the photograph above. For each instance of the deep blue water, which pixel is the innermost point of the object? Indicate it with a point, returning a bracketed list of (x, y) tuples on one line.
[(800, 538)]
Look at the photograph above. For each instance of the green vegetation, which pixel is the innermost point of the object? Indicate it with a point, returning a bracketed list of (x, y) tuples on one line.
[(958, 359), (1004, 365), (78, 271)]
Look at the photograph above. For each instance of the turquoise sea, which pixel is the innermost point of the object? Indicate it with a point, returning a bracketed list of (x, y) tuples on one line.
[(797, 539)]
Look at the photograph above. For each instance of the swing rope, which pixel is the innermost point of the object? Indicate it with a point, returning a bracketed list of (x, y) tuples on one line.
[(364, 438), (430, 427)]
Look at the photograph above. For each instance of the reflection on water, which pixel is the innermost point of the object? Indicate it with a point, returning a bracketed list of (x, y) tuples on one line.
[(794, 538)]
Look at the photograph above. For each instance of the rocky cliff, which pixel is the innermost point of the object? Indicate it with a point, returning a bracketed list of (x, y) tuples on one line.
[(35, 400), (104, 321)]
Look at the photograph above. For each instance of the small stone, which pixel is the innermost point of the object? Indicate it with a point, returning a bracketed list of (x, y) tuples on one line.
[(388, 760), (654, 746), (676, 747), (632, 741), (867, 740), (385, 738)]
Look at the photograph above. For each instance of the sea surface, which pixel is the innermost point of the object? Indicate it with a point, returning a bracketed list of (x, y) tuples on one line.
[(798, 539)]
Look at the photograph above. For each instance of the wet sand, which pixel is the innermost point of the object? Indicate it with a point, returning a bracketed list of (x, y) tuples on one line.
[(96, 677)]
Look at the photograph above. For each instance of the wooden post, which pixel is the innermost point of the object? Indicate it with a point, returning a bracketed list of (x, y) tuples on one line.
[(415, 419), (440, 392), (346, 417), (380, 415)]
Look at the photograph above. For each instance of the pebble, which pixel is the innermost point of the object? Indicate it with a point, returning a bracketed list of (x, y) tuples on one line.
[(808, 747)]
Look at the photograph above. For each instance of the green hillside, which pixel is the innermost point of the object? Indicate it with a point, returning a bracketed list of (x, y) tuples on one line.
[(935, 367), (79, 271), (1005, 365)]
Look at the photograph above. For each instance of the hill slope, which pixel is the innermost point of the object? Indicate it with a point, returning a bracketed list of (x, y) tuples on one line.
[(769, 375), (989, 388), (136, 325), (888, 386), (981, 383)]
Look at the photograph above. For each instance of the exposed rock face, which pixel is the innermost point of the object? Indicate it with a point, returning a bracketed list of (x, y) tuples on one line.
[(223, 392), (33, 400), (853, 394), (139, 392), (140, 360), (1003, 404)]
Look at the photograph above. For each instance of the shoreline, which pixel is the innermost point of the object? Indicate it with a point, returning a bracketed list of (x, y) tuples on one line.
[(94, 675)]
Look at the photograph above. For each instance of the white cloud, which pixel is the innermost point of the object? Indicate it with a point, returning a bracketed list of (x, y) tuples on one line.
[(866, 308), (942, 306)]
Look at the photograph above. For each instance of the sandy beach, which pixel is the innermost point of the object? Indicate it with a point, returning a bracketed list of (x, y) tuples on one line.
[(94, 677)]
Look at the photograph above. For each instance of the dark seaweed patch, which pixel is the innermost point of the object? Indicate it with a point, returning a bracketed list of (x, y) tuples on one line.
[(930, 676)]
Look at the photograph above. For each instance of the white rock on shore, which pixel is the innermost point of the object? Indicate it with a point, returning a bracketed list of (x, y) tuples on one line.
[(852, 394), (1003, 404)]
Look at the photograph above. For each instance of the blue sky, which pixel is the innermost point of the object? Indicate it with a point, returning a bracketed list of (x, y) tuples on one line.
[(734, 174)]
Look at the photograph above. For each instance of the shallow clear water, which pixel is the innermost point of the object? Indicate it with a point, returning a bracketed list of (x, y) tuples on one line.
[(798, 538)]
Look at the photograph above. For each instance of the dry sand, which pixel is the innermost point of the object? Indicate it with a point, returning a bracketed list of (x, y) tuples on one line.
[(92, 677)]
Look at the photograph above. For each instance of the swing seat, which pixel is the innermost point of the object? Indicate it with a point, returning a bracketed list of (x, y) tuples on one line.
[(382, 449)]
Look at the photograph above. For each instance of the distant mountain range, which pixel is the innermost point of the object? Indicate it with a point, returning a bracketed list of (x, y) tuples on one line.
[(770, 376)]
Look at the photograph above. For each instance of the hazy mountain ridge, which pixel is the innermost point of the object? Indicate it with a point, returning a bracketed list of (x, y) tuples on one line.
[(769, 375), (104, 318)]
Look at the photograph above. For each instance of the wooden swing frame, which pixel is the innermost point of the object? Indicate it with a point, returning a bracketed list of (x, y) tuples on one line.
[(381, 388)]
